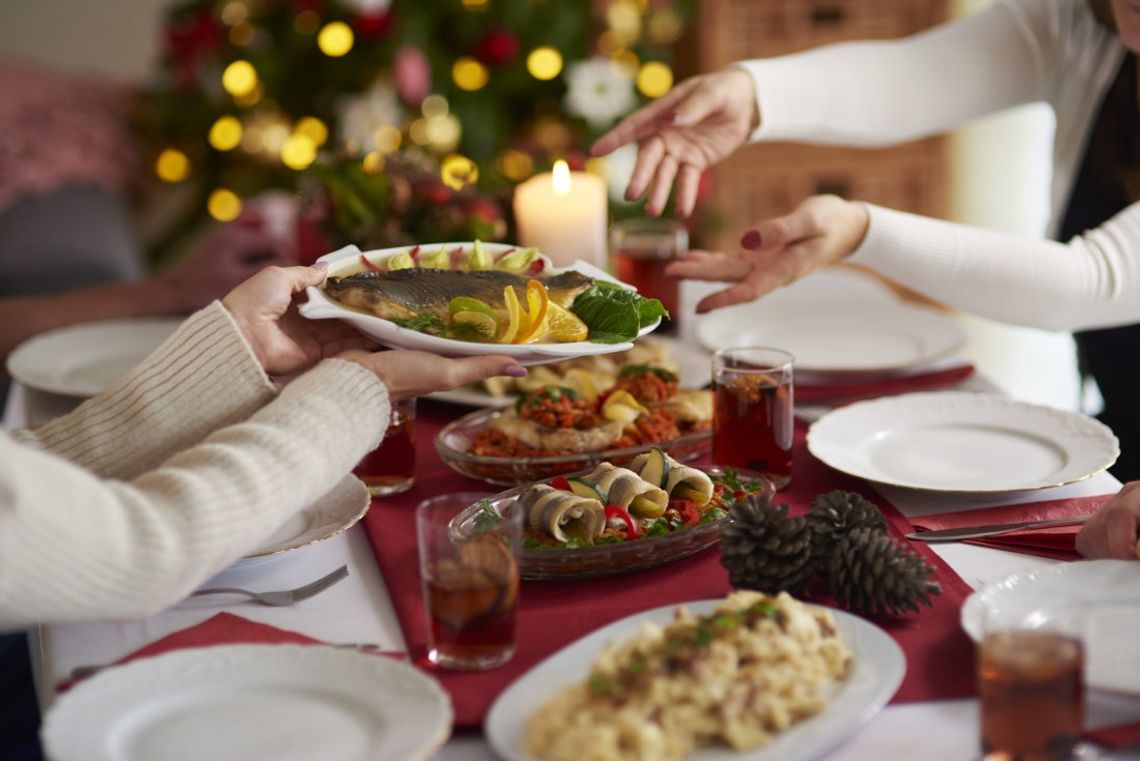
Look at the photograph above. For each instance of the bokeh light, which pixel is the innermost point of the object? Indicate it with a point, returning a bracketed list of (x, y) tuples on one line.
[(434, 105), (242, 34), (306, 22), (654, 79), (273, 137), (223, 205), (373, 162), (515, 165), (298, 152), (443, 133), (475, 5), (225, 134), (234, 12), (628, 61), (335, 39), (239, 78), (387, 139), (172, 165), (250, 99), (312, 128), (469, 74), (544, 63), (458, 171), (418, 132)]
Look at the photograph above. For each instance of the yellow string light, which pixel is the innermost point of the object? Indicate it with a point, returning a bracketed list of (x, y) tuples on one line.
[(234, 13), (298, 152), (514, 165), (544, 63), (628, 61), (654, 79), (434, 105), (417, 131), (223, 205), (250, 99), (443, 133), (242, 34), (225, 134), (387, 139), (312, 128), (469, 74), (306, 22), (239, 78), (373, 162), (335, 39), (172, 165), (458, 171)]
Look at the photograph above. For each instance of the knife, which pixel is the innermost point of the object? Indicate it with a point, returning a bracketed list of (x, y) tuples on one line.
[(976, 532)]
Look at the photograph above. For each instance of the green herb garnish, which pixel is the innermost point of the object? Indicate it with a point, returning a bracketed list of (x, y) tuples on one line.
[(487, 517), (614, 314), (636, 371), (422, 322), (713, 514)]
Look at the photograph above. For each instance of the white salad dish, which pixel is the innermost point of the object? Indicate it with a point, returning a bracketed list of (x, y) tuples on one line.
[(251, 703), (877, 671), (338, 510), (1108, 594), (963, 443), (83, 360), (320, 306)]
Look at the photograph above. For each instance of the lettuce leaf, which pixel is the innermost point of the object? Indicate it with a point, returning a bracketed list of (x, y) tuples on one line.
[(614, 314)]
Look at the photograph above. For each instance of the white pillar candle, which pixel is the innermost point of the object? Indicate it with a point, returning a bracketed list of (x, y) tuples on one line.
[(564, 215)]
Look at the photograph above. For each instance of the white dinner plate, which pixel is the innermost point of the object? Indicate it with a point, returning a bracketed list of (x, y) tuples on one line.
[(333, 513), (322, 307), (836, 336), (878, 670), (1110, 589), (83, 360), (694, 370), (251, 703), (963, 443)]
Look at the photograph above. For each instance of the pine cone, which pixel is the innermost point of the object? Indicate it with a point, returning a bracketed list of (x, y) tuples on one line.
[(764, 549), (834, 515), (872, 575)]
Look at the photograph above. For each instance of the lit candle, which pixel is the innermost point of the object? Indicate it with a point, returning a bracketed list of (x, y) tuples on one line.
[(564, 215)]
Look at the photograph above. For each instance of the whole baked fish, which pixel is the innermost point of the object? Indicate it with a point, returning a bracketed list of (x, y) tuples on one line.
[(404, 293)]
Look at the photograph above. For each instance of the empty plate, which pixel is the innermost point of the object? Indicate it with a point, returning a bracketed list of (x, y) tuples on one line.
[(340, 509), (962, 442)]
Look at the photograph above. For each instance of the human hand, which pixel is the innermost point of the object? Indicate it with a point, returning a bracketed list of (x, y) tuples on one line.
[(415, 373), (285, 342), (1111, 531), (225, 257), (776, 252), (683, 133)]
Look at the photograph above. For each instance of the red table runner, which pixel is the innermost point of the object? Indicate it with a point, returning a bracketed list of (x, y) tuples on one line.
[(553, 614)]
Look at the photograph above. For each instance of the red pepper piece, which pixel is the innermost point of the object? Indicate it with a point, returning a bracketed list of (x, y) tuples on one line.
[(690, 513), (613, 511), (368, 264), (560, 482)]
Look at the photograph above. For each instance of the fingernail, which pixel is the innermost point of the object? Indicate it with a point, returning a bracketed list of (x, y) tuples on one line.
[(672, 117), (320, 265), (750, 240), (515, 371)]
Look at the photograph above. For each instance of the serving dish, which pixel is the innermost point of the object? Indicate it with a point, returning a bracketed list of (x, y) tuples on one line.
[(321, 306), (605, 559), (453, 443)]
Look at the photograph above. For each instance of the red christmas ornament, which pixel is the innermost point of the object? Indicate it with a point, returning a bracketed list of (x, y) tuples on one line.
[(497, 47), (370, 24), (413, 74), (316, 6), (482, 208), (188, 40), (432, 191)]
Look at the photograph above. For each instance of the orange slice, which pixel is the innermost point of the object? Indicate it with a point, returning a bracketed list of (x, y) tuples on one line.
[(538, 304), (516, 320), (563, 326)]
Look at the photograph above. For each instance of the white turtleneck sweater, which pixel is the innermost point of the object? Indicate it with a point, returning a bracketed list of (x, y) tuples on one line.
[(127, 504), (1019, 51)]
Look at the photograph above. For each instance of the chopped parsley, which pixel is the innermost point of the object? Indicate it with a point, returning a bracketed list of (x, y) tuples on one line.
[(487, 518), (422, 322)]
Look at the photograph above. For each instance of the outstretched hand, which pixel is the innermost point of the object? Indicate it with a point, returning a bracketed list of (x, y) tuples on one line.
[(1111, 531), (776, 252), (415, 373), (285, 343), (683, 133)]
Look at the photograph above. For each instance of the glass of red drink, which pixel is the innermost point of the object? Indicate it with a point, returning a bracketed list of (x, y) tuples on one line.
[(1031, 684), (391, 467), (470, 583), (641, 249), (752, 411)]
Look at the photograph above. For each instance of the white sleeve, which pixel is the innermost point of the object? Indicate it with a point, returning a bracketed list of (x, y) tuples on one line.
[(75, 546), (885, 92), (1093, 281)]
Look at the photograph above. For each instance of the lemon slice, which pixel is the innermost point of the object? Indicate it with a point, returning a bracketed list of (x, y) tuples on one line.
[(515, 318), (538, 303), (621, 406), (469, 304), (484, 326), (582, 381), (563, 326)]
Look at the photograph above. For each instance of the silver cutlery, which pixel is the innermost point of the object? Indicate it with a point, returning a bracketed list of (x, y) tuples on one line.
[(993, 529), (283, 597)]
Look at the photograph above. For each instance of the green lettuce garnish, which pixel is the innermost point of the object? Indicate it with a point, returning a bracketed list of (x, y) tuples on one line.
[(614, 314)]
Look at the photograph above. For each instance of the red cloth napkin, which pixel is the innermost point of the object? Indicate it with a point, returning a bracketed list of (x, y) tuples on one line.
[(1121, 736), (1057, 542), (807, 391), (554, 614)]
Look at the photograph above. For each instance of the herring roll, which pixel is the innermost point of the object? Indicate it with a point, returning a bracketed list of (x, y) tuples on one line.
[(562, 514), (630, 491), (678, 480)]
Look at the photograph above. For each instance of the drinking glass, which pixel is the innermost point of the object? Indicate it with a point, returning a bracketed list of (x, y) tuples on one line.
[(470, 582), (390, 468), (1031, 683), (641, 249), (752, 411)]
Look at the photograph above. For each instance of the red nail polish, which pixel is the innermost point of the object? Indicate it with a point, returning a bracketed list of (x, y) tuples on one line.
[(750, 240), (670, 118)]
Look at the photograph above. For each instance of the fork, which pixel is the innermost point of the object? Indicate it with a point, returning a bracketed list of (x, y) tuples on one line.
[(283, 597)]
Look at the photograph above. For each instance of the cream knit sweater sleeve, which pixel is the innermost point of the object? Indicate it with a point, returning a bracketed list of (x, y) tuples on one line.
[(74, 545)]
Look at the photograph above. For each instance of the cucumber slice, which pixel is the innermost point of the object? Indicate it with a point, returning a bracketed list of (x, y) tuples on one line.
[(402, 261), (584, 487), (438, 260), (479, 259), (643, 507), (517, 261), (656, 470)]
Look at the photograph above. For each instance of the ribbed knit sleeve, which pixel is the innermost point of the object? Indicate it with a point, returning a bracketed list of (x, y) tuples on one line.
[(1093, 281), (201, 378), (74, 546)]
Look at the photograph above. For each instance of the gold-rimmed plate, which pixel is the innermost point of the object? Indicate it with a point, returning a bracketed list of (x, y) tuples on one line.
[(337, 511)]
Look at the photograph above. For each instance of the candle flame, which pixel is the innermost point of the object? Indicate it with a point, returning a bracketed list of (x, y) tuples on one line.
[(561, 177)]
